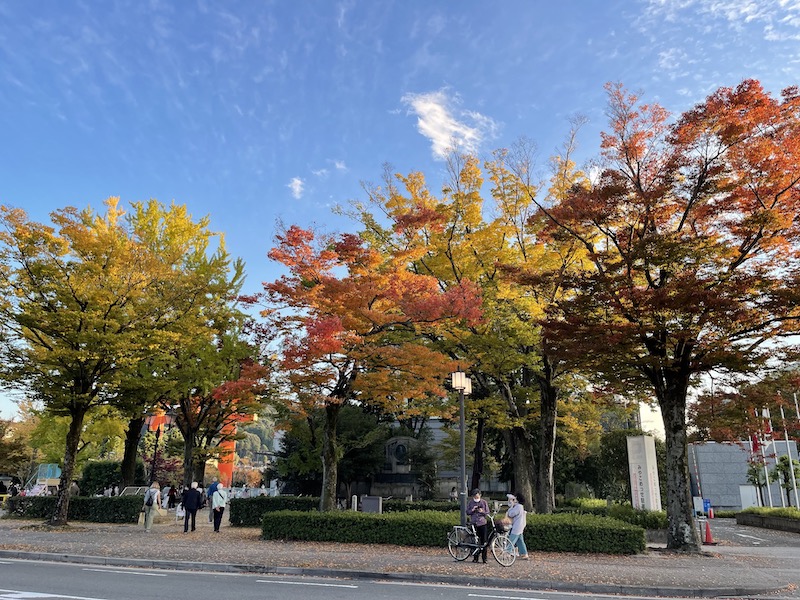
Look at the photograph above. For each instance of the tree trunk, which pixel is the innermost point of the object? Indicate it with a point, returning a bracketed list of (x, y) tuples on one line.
[(188, 458), (545, 490), (330, 457), (681, 531), (128, 466), (477, 462), (523, 464), (61, 511)]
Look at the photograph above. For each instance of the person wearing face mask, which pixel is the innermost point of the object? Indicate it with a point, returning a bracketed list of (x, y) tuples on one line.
[(477, 509), (516, 512)]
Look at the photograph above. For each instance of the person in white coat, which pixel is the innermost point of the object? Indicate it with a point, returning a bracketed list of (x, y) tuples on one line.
[(218, 501), (516, 512)]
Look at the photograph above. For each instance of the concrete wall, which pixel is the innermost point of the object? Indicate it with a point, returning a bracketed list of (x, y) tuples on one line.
[(718, 469)]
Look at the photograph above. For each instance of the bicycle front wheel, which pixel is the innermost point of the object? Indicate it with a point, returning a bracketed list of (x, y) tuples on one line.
[(503, 550), (456, 544)]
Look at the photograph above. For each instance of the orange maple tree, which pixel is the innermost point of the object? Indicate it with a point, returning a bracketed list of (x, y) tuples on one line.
[(355, 326), (692, 234)]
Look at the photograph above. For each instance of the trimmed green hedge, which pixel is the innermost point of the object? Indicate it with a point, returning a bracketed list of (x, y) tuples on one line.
[(647, 519), (786, 513), (408, 528), (116, 509), (583, 533), (554, 533), (247, 512)]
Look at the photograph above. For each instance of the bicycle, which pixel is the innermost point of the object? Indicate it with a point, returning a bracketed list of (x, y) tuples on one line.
[(463, 542)]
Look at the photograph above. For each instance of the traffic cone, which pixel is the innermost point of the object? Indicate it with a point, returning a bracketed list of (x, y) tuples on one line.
[(710, 513), (708, 540)]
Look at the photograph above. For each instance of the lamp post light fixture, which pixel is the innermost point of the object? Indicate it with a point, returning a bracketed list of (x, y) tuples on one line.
[(156, 422), (459, 381)]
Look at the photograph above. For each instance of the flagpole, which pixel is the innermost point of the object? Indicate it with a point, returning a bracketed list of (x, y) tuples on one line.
[(791, 462), (764, 459)]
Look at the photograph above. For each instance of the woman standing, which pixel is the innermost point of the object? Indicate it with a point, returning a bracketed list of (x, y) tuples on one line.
[(477, 509), (516, 512), (151, 499)]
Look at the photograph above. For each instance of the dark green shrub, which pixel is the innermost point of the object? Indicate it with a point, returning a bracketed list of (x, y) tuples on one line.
[(648, 519), (554, 533), (397, 505), (408, 528), (117, 509), (582, 533), (247, 512)]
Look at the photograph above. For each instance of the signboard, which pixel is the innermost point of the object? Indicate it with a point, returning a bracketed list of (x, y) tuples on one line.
[(643, 469)]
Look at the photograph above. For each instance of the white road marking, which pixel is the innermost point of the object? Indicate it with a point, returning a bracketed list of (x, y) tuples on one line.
[(126, 572), (337, 585), (504, 597), (752, 537), (24, 595)]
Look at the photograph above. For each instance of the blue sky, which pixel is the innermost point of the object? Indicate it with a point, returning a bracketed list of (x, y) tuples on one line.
[(253, 112)]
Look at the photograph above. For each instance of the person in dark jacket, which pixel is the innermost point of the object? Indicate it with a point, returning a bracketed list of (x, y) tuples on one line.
[(191, 501), (477, 509)]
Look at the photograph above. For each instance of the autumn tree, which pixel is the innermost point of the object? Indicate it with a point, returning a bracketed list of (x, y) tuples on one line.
[(197, 284), (354, 326), (14, 450), (691, 232), (212, 383), (84, 302), (491, 239)]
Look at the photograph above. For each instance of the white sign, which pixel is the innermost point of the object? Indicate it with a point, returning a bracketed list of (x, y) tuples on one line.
[(643, 469)]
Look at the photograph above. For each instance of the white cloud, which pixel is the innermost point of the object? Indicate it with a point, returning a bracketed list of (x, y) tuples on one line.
[(296, 185), (447, 127), (340, 166), (780, 18)]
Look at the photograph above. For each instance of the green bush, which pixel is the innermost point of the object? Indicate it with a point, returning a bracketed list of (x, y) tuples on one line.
[(582, 533), (787, 513), (553, 533), (407, 528), (397, 505), (247, 512), (117, 509), (647, 519), (725, 514)]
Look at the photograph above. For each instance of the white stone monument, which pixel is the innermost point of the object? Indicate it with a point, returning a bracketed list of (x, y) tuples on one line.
[(643, 469)]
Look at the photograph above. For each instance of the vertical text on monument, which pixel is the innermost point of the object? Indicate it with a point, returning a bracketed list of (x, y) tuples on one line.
[(643, 468)]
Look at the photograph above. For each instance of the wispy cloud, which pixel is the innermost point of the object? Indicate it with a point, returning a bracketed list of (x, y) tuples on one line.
[(296, 185), (447, 126), (340, 165), (780, 18)]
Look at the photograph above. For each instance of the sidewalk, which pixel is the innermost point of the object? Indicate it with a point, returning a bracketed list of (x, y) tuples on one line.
[(722, 571)]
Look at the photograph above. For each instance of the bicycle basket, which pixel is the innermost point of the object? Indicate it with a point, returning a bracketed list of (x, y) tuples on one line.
[(502, 525)]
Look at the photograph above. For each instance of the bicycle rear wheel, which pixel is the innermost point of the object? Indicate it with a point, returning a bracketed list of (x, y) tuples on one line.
[(503, 550), (456, 541)]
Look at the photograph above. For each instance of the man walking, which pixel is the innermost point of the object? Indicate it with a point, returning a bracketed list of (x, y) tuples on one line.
[(191, 500)]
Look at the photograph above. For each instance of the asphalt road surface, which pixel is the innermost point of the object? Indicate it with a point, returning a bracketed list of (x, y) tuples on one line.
[(33, 580)]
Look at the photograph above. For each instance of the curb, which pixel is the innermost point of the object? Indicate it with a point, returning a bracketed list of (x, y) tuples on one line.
[(491, 582)]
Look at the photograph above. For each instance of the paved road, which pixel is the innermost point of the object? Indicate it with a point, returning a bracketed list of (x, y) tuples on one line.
[(34, 580), (730, 568)]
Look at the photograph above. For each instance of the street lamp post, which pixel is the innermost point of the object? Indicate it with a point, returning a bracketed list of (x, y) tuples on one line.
[(463, 384), (158, 421)]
